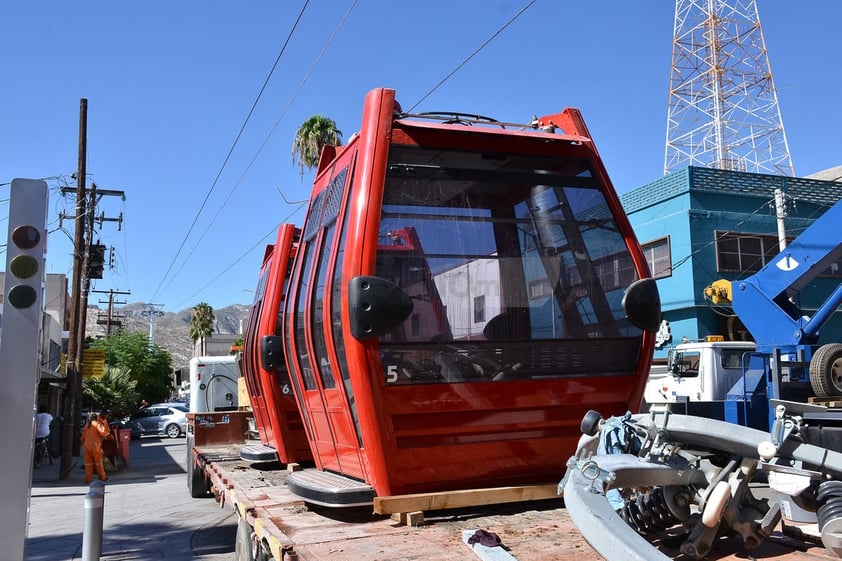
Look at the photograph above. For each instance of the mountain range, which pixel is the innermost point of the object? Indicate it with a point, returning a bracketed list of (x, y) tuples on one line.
[(170, 328)]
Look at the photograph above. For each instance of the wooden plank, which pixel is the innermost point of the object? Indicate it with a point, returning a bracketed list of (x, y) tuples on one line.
[(831, 402), (463, 498)]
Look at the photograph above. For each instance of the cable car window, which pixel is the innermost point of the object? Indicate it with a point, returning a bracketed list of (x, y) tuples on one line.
[(317, 316), (338, 337), (314, 217), (300, 324), (334, 198), (533, 237)]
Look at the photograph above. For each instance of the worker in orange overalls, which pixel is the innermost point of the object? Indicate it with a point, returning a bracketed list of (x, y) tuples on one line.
[(96, 429)]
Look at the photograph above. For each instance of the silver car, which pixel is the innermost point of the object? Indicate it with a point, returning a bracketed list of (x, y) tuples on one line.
[(161, 418)]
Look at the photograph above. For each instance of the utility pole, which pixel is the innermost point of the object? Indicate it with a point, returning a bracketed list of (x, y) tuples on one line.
[(82, 274), (780, 215), (86, 281), (72, 413), (108, 321)]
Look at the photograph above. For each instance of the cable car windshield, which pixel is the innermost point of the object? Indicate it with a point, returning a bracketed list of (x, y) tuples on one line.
[(514, 264)]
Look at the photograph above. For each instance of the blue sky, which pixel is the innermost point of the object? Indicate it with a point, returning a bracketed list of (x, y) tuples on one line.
[(170, 84)]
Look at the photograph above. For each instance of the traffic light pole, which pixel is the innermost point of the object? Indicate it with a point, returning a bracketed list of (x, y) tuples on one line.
[(19, 359)]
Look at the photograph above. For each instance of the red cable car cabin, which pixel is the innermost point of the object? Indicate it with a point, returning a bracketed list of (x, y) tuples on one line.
[(276, 415), (457, 305)]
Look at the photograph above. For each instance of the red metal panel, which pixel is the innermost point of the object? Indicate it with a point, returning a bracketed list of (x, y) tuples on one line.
[(446, 435), (282, 411), (375, 135), (276, 413)]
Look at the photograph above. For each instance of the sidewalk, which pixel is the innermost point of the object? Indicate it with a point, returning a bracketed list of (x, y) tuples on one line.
[(148, 511)]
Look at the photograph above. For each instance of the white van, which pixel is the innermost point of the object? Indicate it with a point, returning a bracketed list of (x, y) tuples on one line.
[(213, 383)]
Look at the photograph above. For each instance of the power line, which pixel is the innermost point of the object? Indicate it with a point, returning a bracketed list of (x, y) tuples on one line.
[(684, 260), (231, 150), (464, 62), (241, 257), (274, 127), (265, 141)]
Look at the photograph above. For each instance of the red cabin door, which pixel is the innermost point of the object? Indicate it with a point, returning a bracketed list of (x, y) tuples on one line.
[(319, 383)]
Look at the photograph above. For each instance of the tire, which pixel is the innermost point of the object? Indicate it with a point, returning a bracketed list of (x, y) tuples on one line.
[(37, 456), (173, 430), (590, 423), (196, 482), (242, 549), (826, 370)]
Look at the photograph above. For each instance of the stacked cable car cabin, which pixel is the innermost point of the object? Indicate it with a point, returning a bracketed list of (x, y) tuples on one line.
[(461, 293), (276, 417)]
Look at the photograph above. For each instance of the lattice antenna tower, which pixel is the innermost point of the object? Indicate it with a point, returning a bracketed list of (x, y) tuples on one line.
[(723, 107)]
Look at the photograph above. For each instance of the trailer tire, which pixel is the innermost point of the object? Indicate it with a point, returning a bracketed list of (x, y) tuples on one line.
[(197, 484), (242, 549), (826, 370)]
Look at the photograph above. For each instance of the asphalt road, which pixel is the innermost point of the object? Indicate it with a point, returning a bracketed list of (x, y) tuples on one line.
[(148, 512)]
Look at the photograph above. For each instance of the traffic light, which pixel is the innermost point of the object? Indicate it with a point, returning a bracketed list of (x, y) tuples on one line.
[(26, 245), (19, 360), (96, 261)]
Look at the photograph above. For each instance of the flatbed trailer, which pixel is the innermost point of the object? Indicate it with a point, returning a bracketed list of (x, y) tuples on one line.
[(288, 528)]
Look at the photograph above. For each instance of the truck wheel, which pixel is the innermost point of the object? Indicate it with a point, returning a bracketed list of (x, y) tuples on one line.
[(826, 370), (243, 550)]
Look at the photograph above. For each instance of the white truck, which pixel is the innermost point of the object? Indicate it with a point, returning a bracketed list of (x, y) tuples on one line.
[(698, 371), (213, 383)]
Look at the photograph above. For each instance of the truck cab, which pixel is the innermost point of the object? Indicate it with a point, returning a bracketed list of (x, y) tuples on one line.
[(697, 371)]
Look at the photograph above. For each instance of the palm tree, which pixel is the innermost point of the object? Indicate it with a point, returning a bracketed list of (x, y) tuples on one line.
[(311, 137), (115, 390), (201, 326)]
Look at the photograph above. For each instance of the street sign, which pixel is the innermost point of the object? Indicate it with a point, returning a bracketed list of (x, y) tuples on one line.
[(93, 363)]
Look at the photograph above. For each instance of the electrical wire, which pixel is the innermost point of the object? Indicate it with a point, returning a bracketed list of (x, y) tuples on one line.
[(820, 209), (231, 150), (472, 55), (265, 141), (274, 230), (283, 113), (684, 260)]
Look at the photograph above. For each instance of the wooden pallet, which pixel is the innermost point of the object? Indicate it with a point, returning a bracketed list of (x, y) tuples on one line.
[(831, 402), (409, 509)]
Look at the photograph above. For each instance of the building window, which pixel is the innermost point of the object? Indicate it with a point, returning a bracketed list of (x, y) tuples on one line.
[(540, 288), (657, 253), (479, 309), (742, 253)]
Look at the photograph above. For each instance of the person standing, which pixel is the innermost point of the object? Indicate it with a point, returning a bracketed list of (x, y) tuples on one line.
[(95, 431)]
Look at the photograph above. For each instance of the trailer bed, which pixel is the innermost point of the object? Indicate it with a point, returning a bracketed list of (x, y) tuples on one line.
[(534, 530), (530, 530)]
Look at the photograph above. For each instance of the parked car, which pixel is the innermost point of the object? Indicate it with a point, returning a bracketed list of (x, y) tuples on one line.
[(160, 418)]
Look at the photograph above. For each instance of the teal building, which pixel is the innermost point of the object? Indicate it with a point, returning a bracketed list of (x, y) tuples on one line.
[(698, 225)]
